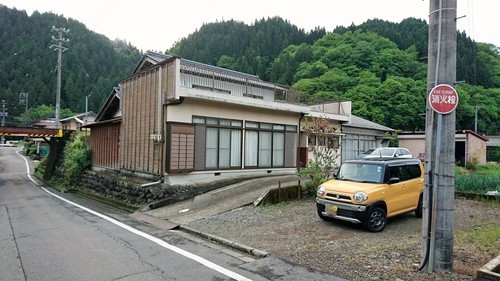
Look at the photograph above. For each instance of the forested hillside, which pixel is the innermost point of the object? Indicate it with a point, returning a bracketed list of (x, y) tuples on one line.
[(380, 66), (92, 65), (249, 49)]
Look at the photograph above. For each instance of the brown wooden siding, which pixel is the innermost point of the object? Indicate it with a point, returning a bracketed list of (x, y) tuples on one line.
[(105, 143), (139, 152), (181, 147)]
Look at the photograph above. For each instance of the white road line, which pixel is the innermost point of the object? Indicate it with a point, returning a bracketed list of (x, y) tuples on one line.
[(151, 238)]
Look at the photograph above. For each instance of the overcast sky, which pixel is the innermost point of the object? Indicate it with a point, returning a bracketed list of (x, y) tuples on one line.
[(158, 24)]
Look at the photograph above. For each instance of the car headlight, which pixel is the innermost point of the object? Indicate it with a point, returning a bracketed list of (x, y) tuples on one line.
[(321, 191), (360, 196)]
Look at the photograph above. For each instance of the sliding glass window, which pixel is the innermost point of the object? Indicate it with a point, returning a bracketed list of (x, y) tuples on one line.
[(222, 142), (265, 144)]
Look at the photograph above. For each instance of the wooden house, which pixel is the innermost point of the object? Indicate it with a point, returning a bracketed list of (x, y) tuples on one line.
[(179, 120)]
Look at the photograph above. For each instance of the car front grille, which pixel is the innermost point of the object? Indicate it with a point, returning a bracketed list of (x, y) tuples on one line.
[(338, 196)]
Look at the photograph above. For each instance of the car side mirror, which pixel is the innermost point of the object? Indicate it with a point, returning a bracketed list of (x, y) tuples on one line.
[(394, 180)]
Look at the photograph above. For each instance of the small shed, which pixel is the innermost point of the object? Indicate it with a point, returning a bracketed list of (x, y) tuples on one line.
[(470, 147)]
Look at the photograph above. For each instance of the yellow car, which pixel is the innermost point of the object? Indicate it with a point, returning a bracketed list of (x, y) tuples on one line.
[(371, 190)]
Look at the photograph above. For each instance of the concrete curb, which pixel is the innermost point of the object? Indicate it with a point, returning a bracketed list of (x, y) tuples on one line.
[(226, 242)]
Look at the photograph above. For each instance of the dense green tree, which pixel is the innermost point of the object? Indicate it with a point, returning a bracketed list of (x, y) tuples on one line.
[(91, 65), (380, 66)]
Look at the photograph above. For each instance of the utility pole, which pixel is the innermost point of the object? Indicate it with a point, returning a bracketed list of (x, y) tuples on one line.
[(23, 99), (3, 113), (438, 220), (60, 40), (476, 107)]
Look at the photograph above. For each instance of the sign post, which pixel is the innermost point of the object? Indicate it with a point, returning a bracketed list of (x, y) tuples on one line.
[(443, 98)]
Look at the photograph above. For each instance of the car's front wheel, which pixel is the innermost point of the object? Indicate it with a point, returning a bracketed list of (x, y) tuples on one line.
[(376, 220)]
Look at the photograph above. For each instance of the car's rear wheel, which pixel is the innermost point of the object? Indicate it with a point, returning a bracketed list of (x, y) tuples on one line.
[(419, 211), (376, 220), (321, 209)]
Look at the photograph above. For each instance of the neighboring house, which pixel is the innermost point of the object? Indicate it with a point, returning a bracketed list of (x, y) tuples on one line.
[(360, 135), (105, 136), (469, 146), (47, 122), (182, 120), (75, 123)]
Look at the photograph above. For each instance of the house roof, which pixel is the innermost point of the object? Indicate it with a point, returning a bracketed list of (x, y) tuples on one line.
[(358, 122), (458, 134), (152, 58), (78, 117), (110, 107), (472, 133), (493, 141)]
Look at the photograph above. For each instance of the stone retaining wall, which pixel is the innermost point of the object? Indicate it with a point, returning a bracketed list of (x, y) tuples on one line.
[(129, 191)]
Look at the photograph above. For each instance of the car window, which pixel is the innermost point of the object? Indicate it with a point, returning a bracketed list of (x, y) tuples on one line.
[(396, 172), (361, 172), (413, 171), (387, 152)]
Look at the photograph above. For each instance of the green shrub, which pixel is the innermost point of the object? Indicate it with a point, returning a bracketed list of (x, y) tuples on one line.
[(30, 148), (320, 169), (76, 159)]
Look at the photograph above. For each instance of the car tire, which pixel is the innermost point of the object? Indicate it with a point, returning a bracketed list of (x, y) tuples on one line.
[(377, 220), (419, 211), (321, 209)]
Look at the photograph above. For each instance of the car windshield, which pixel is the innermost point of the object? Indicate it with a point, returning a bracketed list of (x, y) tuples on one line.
[(361, 172), (383, 152)]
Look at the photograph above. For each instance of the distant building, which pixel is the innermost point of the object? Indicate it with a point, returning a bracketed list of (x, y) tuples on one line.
[(75, 123), (470, 147)]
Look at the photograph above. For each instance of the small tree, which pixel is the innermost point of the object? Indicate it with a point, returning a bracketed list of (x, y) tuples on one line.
[(323, 164), (76, 159)]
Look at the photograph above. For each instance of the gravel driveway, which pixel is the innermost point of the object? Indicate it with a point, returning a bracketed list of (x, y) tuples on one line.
[(293, 231)]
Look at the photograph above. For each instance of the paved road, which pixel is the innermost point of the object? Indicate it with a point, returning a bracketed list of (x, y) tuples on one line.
[(45, 236), (48, 235)]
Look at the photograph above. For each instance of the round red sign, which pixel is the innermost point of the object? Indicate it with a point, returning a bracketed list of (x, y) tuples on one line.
[(443, 98)]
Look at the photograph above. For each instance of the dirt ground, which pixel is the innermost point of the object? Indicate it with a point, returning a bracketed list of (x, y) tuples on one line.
[(293, 231)]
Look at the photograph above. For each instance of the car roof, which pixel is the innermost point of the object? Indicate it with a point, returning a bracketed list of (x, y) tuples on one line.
[(385, 161)]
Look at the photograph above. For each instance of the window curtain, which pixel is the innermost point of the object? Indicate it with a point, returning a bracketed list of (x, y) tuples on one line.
[(235, 148), (265, 149), (224, 147), (278, 149), (251, 148), (211, 148)]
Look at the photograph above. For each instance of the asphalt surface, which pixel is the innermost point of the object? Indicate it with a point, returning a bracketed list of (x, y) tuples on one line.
[(45, 238)]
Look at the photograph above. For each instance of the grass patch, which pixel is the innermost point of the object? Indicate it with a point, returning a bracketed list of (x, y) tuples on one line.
[(493, 169), (479, 180), (487, 238), (476, 183)]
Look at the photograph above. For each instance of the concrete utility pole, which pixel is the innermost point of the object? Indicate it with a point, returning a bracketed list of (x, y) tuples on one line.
[(59, 47), (476, 107), (23, 99), (3, 113), (438, 219)]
